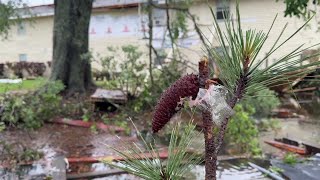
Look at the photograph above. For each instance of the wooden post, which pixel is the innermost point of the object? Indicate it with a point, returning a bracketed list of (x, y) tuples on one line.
[(59, 168)]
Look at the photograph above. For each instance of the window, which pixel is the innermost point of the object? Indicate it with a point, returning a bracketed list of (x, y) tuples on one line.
[(223, 9), (22, 57), (21, 28), (159, 17)]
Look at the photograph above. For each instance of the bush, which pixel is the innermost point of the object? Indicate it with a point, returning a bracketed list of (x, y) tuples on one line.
[(269, 124), (127, 60), (243, 132), (31, 110), (134, 78), (263, 102), (290, 158), (35, 69), (15, 153)]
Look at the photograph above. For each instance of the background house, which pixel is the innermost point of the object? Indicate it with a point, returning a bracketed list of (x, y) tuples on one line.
[(122, 22)]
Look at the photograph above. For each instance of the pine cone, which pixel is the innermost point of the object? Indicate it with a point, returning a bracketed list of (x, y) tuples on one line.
[(167, 105)]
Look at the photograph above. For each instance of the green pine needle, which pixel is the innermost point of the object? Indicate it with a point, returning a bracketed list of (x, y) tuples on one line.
[(241, 49), (179, 161)]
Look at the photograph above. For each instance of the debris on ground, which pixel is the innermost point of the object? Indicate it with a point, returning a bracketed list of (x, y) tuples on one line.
[(308, 169), (290, 145), (107, 99), (81, 123)]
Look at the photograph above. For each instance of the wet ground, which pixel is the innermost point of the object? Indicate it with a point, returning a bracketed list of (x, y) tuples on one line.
[(227, 170), (296, 129), (56, 139)]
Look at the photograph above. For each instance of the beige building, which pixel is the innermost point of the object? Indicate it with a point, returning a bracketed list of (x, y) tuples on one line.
[(121, 22)]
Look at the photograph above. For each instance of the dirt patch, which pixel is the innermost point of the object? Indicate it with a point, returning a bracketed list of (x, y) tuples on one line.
[(53, 139)]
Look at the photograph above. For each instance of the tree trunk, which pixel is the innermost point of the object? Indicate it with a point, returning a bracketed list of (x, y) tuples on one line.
[(71, 63)]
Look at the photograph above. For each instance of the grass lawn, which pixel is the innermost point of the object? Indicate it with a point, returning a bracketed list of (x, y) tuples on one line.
[(25, 85)]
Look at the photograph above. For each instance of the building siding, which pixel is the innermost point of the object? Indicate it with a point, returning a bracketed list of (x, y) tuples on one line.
[(257, 14)]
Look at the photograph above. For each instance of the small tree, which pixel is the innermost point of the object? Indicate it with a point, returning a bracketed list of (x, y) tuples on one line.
[(9, 15), (239, 71)]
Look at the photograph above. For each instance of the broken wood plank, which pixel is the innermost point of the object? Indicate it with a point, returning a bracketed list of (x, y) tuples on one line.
[(98, 174), (288, 141), (311, 149), (287, 147), (114, 96), (81, 123), (161, 155)]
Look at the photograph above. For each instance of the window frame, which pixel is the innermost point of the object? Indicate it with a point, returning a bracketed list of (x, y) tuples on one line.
[(222, 10), (23, 57)]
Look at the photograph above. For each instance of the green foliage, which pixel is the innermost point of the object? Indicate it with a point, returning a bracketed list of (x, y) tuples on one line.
[(127, 71), (239, 56), (9, 15), (276, 169), (263, 102), (176, 166), (299, 8), (32, 109), (2, 126), (290, 159), (17, 153), (133, 78), (243, 132), (164, 77), (179, 25), (269, 124)]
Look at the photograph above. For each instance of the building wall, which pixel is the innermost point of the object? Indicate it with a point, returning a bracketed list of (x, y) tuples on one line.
[(36, 43), (258, 14)]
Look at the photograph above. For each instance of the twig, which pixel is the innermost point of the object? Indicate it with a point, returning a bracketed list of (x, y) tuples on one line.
[(150, 24), (239, 92)]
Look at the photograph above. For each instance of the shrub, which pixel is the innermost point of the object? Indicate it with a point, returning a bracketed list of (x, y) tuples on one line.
[(14, 153), (269, 124), (243, 132), (33, 68), (152, 166), (126, 59), (134, 79), (32, 109), (263, 102), (290, 159)]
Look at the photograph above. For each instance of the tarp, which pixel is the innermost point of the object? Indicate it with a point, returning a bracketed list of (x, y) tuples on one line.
[(11, 81), (307, 170)]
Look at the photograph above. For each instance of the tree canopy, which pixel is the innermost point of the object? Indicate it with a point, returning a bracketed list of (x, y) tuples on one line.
[(300, 8), (9, 15)]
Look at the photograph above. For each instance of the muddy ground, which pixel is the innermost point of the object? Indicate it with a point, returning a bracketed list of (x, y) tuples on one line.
[(56, 139)]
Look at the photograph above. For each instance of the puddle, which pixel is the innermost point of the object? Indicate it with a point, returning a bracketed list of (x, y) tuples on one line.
[(227, 170), (234, 170), (55, 140), (34, 172)]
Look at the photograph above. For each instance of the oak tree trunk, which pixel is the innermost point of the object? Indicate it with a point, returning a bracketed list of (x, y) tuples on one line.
[(70, 63)]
